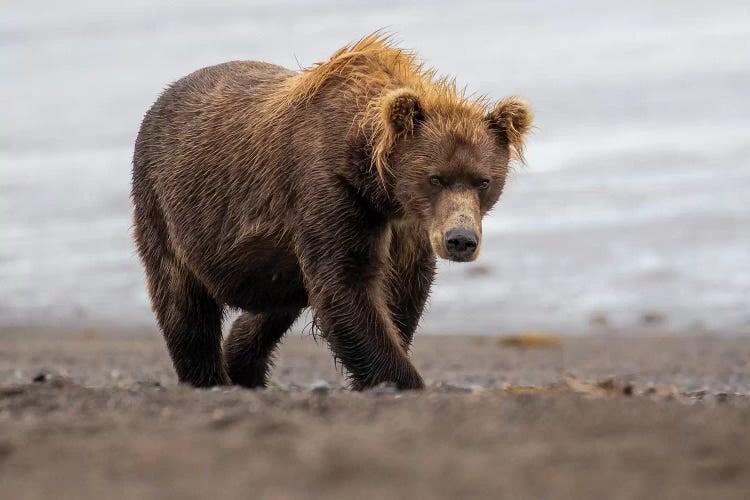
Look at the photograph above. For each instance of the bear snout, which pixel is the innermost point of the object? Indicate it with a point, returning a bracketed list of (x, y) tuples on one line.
[(461, 244)]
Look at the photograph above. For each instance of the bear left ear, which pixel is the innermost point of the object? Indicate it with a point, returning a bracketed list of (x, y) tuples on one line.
[(511, 119), (401, 111)]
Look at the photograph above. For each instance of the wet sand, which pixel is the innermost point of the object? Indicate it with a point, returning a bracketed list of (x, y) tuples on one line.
[(94, 415)]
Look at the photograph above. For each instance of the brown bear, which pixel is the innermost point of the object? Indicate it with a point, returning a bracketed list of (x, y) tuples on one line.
[(269, 190)]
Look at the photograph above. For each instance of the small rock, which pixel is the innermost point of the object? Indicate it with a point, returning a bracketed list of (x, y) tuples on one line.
[(49, 377), (41, 377), (384, 388), (149, 383), (700, 394), (476, 390), (653, 319), (599, 320), (668, 391), (451, 388), (127, 383), (319, 387)]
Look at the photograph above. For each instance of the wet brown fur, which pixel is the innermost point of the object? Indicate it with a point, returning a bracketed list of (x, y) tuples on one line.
[(268, 190)]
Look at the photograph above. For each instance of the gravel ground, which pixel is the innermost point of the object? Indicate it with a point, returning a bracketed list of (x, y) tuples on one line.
[(95, 415)]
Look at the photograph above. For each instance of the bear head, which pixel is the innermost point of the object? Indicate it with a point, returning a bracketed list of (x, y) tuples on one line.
[(447, 161)]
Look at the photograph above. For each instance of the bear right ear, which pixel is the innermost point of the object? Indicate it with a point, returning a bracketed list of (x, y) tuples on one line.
[(401, 111), (393, 115)]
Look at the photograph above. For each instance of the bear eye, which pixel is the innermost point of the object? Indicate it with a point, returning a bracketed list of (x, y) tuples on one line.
[(436, 180), (483, 184)]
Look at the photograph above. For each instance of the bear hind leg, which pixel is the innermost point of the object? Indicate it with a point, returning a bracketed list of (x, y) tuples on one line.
[(252, 340), (190, 320), (187, 314)]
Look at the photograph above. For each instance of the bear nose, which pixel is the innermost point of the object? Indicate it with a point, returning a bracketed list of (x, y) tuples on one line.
[(461, 243)]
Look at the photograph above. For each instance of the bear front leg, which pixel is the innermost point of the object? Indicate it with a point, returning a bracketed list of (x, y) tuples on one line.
[(342, 262), (410, 276), (364, 340)]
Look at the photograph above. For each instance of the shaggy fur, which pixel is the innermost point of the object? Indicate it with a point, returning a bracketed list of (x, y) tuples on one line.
[(268, 190)]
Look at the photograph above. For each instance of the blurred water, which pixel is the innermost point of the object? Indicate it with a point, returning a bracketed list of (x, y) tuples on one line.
[(634, 201)]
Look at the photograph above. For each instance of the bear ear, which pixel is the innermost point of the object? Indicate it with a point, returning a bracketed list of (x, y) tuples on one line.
[(395, 114), (511, 119), (401, 111)]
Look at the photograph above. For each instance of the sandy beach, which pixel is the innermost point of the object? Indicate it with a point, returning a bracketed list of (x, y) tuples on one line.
[(87, 414)]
